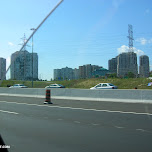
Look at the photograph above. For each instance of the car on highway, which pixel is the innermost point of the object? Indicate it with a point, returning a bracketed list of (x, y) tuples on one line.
[(104, 86), (18, 86), (55, 86)]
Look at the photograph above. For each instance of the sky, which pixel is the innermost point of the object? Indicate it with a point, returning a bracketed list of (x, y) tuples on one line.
[(78, 32)]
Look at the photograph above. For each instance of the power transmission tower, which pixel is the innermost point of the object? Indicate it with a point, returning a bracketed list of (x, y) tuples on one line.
[(24, 43), (130, 32), (23, 63)]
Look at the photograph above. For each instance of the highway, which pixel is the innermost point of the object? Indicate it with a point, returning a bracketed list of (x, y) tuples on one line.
[(26, 124)]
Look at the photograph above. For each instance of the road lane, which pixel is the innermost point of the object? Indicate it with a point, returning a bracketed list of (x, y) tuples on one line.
[(46, 128), (112, 111), (111, 106)]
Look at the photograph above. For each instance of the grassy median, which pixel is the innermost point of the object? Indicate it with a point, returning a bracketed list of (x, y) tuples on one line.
[(130, 83)]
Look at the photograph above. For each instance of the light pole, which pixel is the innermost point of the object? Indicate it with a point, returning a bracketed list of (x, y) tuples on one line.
[(33, 29)]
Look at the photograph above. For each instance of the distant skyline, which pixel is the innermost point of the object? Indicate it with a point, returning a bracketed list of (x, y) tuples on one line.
[(78, 32)]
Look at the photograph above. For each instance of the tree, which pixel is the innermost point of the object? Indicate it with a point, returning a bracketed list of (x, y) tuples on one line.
[(130, 75), (97, 76), (113, 75)]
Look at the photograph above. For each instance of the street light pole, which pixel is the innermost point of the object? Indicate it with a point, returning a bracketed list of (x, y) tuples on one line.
[(33, 29)]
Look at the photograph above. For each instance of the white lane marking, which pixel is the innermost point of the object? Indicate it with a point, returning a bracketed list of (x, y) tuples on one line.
[(97, 110), (77, 121), (119, 127), (9, 112), (140, 129), (95, 124)]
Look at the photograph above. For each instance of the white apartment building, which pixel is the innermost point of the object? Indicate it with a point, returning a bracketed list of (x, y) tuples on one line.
[(63, 74), (21, 65)]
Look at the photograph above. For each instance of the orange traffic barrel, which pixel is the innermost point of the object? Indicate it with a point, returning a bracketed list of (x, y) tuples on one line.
[(48, 97)]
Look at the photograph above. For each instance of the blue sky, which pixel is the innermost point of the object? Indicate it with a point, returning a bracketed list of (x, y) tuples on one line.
[(78, 32)]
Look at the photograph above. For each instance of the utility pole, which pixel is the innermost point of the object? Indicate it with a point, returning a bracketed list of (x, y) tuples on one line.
[(33, 29)]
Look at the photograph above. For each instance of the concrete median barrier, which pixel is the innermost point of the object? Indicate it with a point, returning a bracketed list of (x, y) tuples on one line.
[(82, 94)]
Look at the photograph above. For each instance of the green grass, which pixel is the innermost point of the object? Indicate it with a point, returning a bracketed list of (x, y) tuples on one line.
[(131, 83)]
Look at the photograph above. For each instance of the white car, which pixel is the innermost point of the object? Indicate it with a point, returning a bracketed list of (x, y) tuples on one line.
[(55, 86), (18, 86), (104, 86)]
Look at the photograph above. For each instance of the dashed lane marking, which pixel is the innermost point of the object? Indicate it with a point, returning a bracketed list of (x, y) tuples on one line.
[(95, 124), (85, 109), (10, 112), (77, 121)]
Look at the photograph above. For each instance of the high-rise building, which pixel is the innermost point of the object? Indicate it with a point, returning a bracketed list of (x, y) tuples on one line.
[(67, 73), (96, 67), (63, 74), (100, 72), (86, 71), (2, 69), (82, 72), (57, 74), (75, 73), (21, 65), (127, 62), (112, 65), (144, 66)]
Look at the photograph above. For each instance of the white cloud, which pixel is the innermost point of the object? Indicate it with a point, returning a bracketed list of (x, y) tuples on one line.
[(138, 52), (10, 44), (125, 48), (144, 41)]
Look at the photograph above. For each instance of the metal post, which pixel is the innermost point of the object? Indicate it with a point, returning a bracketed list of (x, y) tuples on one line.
[(33, 29), (32, 61)]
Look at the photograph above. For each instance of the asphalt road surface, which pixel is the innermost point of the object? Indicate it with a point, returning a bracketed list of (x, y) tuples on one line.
[(26, 124)]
